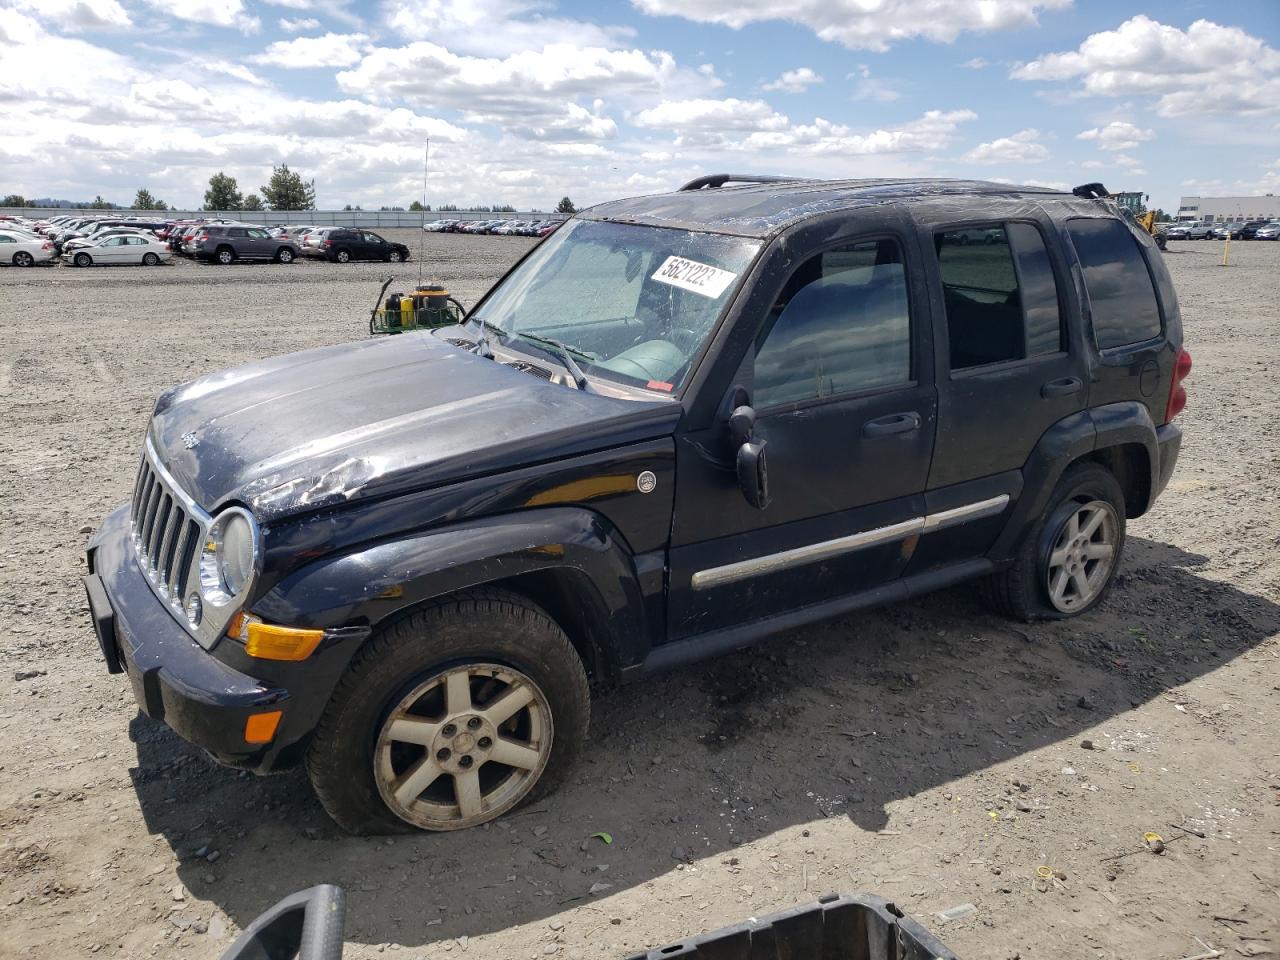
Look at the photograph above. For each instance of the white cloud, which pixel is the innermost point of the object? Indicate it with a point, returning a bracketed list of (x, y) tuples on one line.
[(867, 87), (1047, 184), (326, 52), (217, 13), (977, 63), (534, 92), (859, 24), (794, 81), (495, 28), (1021, 147), (753, 125), (298, 25), (82, 14), (1205, 69), (1117, 135)]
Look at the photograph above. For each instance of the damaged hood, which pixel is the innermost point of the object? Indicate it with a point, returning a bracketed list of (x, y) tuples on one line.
[(376, 418)]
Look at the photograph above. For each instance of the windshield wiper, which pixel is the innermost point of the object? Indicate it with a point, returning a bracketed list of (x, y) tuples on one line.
[(565, 353), (482, 346)]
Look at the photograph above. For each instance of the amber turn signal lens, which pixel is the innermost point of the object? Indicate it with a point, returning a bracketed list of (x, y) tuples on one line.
[(261, 727), (269, 642)]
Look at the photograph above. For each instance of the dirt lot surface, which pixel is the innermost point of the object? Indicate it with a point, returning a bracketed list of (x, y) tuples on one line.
[(930, 752)]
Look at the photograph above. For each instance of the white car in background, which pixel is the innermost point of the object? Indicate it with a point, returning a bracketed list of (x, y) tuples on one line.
[(123, 248), (109, 232), (23, 249)]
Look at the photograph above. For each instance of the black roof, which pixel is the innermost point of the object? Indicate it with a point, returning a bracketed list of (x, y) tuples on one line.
[(762, 209)]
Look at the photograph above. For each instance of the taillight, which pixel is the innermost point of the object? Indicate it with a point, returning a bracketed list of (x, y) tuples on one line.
[(1177, 392), (328, 243), (46, 245), (202, 238)]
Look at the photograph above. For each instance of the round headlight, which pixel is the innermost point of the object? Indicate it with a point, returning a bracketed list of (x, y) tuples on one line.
[(227, 561)]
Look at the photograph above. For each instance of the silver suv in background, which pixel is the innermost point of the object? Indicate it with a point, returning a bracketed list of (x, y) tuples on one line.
[(226, 243)]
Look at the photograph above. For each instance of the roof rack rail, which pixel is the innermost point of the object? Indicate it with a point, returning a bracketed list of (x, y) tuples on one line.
[(1091, 191), (720, 179)]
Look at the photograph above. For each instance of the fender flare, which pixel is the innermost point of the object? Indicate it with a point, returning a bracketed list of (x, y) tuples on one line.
[(1073, 438), (373, 585)]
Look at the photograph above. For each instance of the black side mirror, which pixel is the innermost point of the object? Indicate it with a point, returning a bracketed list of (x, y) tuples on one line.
[(753, 473), (742, 424), (307, 925)]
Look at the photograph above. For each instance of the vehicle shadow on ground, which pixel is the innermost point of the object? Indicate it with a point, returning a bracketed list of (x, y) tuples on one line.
[(840, 719)]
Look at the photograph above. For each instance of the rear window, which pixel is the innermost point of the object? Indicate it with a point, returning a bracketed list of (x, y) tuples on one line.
[(1122, 299)]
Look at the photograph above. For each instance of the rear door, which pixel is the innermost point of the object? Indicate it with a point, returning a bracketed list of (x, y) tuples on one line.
[(1007, 372)]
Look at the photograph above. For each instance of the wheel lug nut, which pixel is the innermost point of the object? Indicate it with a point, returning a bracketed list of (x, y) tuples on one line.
[(473, 723), (449, 730), (444, 753), (465, 761), (485, 743)]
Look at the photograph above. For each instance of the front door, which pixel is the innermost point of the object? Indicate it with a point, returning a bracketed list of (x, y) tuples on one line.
[(841, 380)]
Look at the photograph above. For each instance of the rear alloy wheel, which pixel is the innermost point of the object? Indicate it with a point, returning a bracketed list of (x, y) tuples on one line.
[(343, 256), (150, 259), (83, 260), (225, 255), (284, 255), (23, 259), (1083, 556), (394, 256)]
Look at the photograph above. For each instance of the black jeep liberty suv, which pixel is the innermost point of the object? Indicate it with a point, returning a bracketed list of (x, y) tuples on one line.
[(679, 424)]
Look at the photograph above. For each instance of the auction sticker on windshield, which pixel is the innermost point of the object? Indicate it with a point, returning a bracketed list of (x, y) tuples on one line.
[(697, 277)]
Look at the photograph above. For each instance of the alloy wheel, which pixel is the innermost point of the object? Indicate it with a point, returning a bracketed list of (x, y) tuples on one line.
[(23, 259), (1083, 555), (463, 747)]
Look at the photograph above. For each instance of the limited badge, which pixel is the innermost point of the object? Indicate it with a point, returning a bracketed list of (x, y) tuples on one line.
[(646, 482), (190, 440)]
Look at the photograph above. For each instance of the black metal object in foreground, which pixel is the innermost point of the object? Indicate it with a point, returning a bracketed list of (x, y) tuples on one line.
[(855, 926), (307, 925)]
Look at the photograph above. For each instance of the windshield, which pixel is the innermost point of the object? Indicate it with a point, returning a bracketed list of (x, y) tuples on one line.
[(632, 304)]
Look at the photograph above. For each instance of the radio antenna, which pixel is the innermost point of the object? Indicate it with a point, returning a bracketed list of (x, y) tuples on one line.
[(422, 228)]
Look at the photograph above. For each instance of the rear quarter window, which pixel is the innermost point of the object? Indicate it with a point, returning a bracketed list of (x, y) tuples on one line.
[(1122, 299)]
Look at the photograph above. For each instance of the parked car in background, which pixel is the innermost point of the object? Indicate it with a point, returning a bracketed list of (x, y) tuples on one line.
[(312, 244), (103, 234), (227, 243), (21, 249), (1269, 231), (344, 244), (123, 249), (1223, 231), (1249, 230)]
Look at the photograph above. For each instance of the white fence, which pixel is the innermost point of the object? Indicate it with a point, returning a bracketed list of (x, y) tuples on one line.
[(371, 219)]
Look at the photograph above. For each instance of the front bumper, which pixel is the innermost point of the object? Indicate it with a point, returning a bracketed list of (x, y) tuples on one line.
[(174, 679)]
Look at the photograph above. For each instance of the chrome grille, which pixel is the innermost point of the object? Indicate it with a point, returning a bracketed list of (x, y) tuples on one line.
[(167, 530)]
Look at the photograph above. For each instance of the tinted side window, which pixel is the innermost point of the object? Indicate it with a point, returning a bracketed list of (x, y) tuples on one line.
[(1121, 297), (840, 325), (980, 289), (1039, 290), (1000, 293)]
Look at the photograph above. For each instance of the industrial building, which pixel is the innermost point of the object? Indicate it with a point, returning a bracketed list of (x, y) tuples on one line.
[(1217, 209)]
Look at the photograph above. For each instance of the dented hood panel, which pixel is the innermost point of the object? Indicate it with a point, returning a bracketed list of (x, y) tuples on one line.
[(375, 418)]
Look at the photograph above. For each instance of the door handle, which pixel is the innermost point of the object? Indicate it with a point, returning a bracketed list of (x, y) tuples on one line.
[(891, 424), (1063, 387)]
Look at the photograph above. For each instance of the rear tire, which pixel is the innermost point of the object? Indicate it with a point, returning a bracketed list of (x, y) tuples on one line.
[(150, 260), (82, 260), (359, 770), (284, 255), (225, 256), (23, 259), (1025, 590), (343, 256)]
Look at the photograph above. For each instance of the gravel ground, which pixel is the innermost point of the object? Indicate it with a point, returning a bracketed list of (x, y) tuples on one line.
[(928, 752)]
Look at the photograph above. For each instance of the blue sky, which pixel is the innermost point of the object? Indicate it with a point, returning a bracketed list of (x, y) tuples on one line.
[(525, 101)]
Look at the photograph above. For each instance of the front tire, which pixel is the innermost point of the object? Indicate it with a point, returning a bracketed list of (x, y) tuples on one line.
[(1068, 560), (394, 257), (82, 260), (450, 718)]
